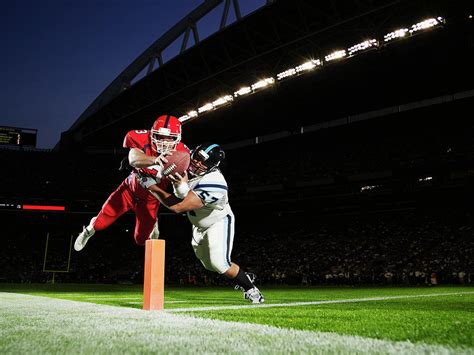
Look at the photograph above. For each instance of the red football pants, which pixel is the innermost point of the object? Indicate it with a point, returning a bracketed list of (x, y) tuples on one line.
[(123, 200)]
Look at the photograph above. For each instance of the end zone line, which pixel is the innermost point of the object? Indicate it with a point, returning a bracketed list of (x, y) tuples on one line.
[(310, 303)]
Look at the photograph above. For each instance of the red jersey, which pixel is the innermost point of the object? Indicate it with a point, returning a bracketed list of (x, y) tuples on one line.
[(140, 139)]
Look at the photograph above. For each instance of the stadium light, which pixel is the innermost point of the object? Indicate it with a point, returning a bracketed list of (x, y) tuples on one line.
[(362, 46), (309, 65), (243, 91), (335, 55), (206, 107), (423, 25), (188, 116), (368, 188), (286, 73), (262, 83), (395, 34), (222, 100)]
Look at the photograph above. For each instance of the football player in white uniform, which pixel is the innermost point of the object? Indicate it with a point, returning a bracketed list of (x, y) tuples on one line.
[(204, 197)]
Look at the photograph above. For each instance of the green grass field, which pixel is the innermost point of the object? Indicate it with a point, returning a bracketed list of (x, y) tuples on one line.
[(340, 320)]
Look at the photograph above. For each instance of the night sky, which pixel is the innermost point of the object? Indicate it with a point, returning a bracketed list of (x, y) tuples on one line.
[(58, 55)]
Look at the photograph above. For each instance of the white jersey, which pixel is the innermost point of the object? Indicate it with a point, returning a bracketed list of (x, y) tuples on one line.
[(211, 188)]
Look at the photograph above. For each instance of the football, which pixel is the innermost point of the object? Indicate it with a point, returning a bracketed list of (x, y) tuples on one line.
[(178, 162)]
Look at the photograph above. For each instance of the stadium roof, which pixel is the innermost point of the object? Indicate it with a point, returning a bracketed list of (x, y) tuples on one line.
[(281, 34)]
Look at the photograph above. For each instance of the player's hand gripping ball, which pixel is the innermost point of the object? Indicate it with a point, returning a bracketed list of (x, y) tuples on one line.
[(178, 162)]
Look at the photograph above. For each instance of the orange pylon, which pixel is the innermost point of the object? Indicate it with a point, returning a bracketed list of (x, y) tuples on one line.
[(154, 279)]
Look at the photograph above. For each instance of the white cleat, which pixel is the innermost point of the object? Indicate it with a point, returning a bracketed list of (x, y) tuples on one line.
[(155, 234), (254, 295), (82, 239)]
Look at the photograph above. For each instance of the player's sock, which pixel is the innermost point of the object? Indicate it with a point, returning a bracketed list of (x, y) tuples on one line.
[(243, 281), (90, 228)]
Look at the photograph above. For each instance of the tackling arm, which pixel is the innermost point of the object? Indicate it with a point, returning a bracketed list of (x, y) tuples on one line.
[(138, 159), (190, 202)]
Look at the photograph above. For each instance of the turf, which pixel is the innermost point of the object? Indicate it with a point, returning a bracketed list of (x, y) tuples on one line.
[(444, 320)]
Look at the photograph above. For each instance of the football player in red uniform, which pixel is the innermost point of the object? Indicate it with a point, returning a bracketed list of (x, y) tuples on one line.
[(148, 150)]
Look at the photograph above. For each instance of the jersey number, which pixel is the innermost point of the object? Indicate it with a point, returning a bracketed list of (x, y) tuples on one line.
[(206, 196), (141, 131)]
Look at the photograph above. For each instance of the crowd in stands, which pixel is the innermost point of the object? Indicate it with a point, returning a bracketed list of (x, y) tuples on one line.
[(389, 249), (391, 146), (396, 248)]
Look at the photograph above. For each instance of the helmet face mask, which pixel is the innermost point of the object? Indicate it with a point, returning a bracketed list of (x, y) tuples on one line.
[(165, 134), (197, 168), (205, 158)]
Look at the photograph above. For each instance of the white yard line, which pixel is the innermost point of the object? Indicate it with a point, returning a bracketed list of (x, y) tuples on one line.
[(311, 303), (42, 325)]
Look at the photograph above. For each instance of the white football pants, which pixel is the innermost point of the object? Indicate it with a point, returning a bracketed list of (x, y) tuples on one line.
[(213, 245)]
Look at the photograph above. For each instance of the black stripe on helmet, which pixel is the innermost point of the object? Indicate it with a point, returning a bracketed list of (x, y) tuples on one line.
[(167, 121)]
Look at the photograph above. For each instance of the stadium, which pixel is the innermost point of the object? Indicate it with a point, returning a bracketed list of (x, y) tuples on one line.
[(349, 156)]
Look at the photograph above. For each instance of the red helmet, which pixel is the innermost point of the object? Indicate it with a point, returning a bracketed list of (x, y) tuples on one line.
[(165, 133)]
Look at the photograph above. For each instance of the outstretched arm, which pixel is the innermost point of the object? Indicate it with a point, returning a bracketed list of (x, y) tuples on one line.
[(138, 159)]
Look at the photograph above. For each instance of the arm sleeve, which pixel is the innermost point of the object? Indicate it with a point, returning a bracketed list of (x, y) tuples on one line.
[(132, 139), (183, 147)]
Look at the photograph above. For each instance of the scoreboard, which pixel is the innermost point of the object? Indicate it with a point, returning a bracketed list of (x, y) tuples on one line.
[(18, 136)]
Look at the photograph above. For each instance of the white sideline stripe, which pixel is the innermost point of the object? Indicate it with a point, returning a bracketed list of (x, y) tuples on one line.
[(42, 325), (78, 296), (166, 302), (118, 298), (310, 303)]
